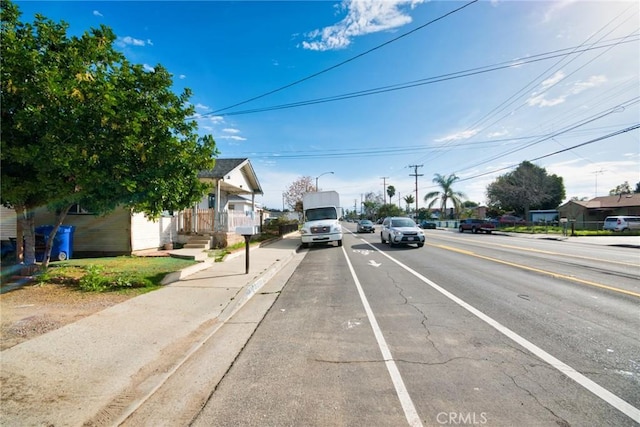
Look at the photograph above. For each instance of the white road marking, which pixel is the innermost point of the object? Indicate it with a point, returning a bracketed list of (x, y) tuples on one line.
[(373, 263), (408, 407), (601, 392)]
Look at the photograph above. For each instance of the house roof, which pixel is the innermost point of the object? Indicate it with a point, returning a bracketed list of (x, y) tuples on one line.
[(609, 202), (223, 167), (619, 201)]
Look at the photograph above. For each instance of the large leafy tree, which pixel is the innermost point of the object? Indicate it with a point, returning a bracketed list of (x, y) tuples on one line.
[(82, 125), (445, 194), (293, 194), (525, 188)]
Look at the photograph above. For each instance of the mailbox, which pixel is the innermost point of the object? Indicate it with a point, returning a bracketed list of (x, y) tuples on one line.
[(248, 230)]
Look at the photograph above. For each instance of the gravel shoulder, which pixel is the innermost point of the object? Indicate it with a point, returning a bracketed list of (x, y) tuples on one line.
[(35, 309)]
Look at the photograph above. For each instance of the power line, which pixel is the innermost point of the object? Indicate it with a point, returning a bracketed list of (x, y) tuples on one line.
[(348, 60), (422, 82), (602, 138)]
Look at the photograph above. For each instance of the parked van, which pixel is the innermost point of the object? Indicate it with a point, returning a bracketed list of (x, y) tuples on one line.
[(621, 223)]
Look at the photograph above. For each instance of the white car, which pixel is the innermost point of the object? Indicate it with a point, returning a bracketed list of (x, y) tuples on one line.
[(621, 223), (398, 230)]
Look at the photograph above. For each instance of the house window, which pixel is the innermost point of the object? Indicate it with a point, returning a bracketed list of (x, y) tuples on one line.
[(212, 201), (232, 207), (76, 209)]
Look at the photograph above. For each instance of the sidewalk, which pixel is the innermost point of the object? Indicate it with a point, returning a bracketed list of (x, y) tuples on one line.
[(67, 376)]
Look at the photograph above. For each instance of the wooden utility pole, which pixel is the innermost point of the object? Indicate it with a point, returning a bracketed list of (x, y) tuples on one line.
[(416, 174), (384, 188)]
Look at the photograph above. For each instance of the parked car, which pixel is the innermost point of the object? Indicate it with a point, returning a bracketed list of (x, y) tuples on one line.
[(621, 223), (474, 225), (365, 226), (427, 225), (401, 231), (511, 220)]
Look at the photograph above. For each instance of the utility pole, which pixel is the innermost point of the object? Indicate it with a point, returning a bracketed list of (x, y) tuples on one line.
[(596, 174), (416, 174), (384, 188)]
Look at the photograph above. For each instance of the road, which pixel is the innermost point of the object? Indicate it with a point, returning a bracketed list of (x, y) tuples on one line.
[(471, 329)]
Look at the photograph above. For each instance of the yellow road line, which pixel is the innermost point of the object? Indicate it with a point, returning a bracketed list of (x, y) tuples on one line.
[(537, 270), (565, 255)]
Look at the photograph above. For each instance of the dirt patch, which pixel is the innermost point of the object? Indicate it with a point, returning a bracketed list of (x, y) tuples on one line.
[(32, 310)]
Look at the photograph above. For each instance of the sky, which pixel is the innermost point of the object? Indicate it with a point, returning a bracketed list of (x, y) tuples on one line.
[(362, 94)]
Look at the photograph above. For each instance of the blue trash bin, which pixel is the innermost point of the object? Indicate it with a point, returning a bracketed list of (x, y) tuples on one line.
[(62, 245)]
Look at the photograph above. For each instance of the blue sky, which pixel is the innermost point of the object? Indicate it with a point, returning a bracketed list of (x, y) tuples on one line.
[(469, 90)]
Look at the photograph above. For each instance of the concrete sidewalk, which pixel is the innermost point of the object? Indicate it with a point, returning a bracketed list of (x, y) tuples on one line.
[(67, 376)]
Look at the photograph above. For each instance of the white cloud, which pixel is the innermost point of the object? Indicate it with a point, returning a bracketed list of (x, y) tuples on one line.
[(363, 17), (148, 68), (202, 107), (458, 136), (498, 134), (232, 137), (593, 81), (97, 13), (584, 179), (230, 130), (182, 76), (541, 101), (130, 41), (555, 7), (553, 80)]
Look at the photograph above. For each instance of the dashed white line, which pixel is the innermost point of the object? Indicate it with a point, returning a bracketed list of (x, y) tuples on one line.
[(401, 390)]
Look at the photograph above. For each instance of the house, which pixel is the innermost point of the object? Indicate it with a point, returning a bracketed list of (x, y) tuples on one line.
[(123, 232), (590, 214)]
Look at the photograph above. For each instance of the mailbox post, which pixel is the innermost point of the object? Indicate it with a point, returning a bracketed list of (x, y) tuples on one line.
[(246, 232)]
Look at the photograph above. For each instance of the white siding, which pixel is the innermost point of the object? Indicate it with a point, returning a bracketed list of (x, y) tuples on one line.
[(7, 223), (150, 234)]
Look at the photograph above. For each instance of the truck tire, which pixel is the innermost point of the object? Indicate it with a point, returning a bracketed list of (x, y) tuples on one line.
[(305, 245), (382, 239), (339, 243), (474, 230), (460, 229)]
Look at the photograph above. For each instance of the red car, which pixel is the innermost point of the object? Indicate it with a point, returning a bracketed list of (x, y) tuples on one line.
[(511, 220)]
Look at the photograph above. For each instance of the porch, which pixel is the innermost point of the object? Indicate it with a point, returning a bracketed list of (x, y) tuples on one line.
[(219, 226)]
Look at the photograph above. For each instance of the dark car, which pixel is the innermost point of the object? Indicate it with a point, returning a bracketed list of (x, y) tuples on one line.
[(511, 220), (427, 225), (365, 226), (475, 225)]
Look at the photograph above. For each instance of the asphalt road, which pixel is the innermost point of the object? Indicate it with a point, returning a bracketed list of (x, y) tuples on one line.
[(468, 330)]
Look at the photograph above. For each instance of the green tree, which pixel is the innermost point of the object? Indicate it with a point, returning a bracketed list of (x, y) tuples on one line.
[(525, 188), (445, 194), (293, 194), (623, 188), (83, 125), (389, 209), (409, 200)]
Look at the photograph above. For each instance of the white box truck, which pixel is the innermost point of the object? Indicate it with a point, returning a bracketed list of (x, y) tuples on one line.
[(322, 214)]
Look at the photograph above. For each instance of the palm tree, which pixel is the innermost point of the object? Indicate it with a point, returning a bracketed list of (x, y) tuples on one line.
[(391, 191), (445, 193), (409, 201)]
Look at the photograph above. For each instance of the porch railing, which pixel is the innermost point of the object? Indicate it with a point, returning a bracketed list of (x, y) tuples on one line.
[(210, 221)]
